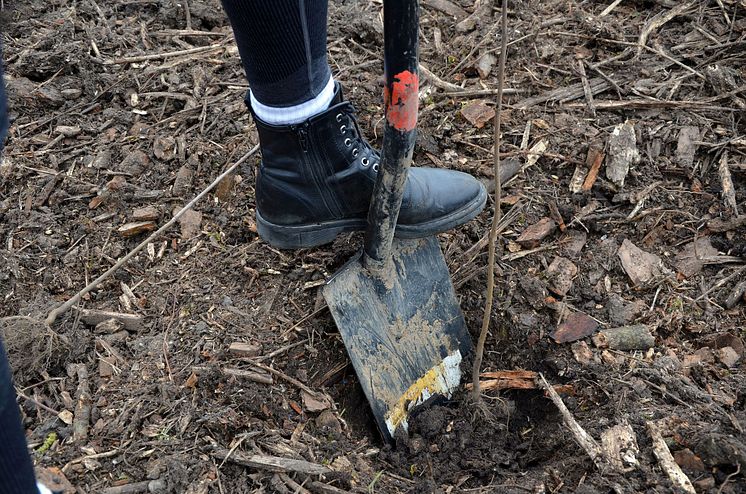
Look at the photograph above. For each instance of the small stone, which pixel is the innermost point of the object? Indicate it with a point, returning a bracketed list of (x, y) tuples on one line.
[(485, 64), (191, 223), (534, 234), (341, 464), (626, 338), (728, 356), (134, 163), (66, 416), (705, 355), (639, 265), (327, 421), (71, 93), (243, 349), (561, 273), (622, 312), (689, 461)]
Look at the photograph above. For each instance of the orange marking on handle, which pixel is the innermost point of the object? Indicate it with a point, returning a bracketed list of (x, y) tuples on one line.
[(401, 101)]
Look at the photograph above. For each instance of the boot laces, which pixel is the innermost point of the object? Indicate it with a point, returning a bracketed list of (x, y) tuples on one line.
[(347, 109)]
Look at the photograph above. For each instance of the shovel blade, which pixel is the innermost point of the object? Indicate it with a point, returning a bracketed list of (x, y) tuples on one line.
[(402, 327)]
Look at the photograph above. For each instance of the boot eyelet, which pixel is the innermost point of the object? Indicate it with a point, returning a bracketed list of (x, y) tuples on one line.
[(365, 162), (348, 142), (342, 129), (354, 153), (339, 117), (375, 167)]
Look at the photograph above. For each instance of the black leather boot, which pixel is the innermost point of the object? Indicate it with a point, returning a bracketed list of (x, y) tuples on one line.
[(317, 177)]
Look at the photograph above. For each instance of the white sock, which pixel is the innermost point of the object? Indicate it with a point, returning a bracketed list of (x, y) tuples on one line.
[(42, 488), (290, 115)]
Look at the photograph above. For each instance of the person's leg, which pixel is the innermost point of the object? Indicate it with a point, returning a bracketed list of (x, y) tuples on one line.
[(16, 469), (318, 171), (282, 44)]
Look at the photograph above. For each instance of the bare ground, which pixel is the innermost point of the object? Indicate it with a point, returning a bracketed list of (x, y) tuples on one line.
[(125, 105)]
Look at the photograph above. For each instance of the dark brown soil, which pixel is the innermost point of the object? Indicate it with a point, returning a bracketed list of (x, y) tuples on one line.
[(165, 396)]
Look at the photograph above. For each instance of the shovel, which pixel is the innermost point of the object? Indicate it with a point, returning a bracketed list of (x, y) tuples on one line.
[(394, 303)]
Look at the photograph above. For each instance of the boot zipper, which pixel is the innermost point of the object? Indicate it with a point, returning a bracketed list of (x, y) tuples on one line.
[(318, 181)]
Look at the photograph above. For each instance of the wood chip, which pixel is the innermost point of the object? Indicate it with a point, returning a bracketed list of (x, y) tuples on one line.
[(485, 64), (136, 228), (686, 146), (576, 327), (622, 153), (191, 224), (534, 234), (147, 213), (726, 181)]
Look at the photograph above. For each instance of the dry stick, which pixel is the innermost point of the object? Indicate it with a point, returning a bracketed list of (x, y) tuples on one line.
[(53, 315), (498, 211), (584, 439)]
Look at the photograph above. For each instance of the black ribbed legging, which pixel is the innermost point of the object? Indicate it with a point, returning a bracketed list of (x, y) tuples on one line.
[(283, 48)]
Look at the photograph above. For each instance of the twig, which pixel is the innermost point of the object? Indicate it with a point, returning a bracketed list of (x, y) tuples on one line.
[(54, 314), (159, 56), (584, 439), (729, 193), (729, 477), (611, 7), (496, 217)]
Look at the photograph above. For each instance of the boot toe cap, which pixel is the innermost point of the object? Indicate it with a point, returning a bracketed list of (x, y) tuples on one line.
[(437, 200)]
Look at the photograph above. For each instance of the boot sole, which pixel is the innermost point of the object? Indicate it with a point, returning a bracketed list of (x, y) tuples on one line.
[(315, 234)]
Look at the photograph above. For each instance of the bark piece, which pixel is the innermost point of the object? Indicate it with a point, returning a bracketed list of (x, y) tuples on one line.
[(622, 153), (637, 337), (183, 181), (691, 259), (327, 420), (164, 148), (573, 242), (136, 228), (639, 265), (534, 234), (446, 7), (686, 146), (478, 113), (315, 403), (242, 349), (576, 327), (561, 273), (256, 377)]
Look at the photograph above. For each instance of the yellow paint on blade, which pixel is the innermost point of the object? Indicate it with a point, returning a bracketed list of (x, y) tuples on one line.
[(441, 379)]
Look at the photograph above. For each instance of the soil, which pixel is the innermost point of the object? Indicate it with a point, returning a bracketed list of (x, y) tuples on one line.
[(99, 130)]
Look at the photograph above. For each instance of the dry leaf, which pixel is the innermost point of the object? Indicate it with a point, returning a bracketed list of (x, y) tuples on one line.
[(478, 113)]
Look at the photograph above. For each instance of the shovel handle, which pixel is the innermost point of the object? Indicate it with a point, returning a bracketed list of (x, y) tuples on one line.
[(400, 96)]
